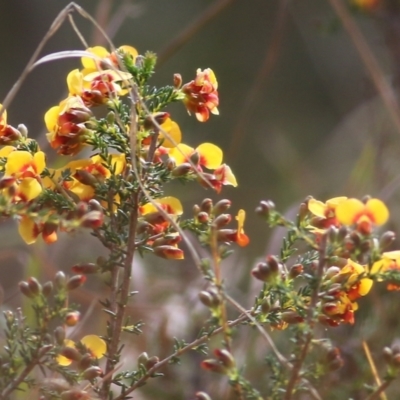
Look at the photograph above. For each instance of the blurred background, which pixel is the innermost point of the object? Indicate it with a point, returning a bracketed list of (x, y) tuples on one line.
[(299, 115)]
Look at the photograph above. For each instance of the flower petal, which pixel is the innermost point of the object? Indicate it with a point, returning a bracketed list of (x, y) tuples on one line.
[(95, 344), (379, 211), (210, 155), (347, 211)]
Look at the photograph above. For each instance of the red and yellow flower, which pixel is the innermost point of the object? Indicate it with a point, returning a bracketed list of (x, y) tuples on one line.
[(201, 95), (325, 215), (66, 125), (7, 132), (22, 171), (390, 261), (363, 215), (96, 347), (235, 235)]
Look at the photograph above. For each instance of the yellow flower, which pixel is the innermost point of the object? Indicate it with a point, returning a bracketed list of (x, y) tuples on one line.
[(96, 347), (325, 212), (354, 211), (390, 261), (24, 170), (354, 286)]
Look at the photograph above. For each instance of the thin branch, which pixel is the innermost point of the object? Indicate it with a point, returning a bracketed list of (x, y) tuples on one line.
[(375, 395), (178, 353), (310, 321)]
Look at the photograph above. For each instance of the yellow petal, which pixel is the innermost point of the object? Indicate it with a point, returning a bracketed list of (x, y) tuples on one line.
[(173, 130), (210, 155), (118, 163), (26, 229), (64, 361), (39, 159), (181, 153), (16, 160), (379, 211), (173, 203), (317, 208), (75, 82), (129, 50), (3, 118), (365, 286), (96, 345), (51, 118), (348, 210), (98, 51), (393, 255), (30, 188), (335, 201), (107, 74), (6, 150)]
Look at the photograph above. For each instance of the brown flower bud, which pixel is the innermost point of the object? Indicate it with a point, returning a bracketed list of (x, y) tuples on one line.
[(386, 239), (222, 220), (75, 281), (202, 217), (92, 220), (210, 298), (169, 252), (181, 170), (331, 271), (75, 394), (59, 335), (34, 286), (92, 373), (265, 305), (88, 268), (25, 289), (264, 208), (225, 358), (207, 206), (85, 362), (295, 271), (71, 353), (214, 366), (151, 362), (7, 181), (142, 359), (47, 289), (221, 206), (291, 317)]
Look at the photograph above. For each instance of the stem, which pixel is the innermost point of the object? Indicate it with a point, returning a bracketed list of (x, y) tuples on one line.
[(119, 307), (375, 395), (178, 353), (310, 321)]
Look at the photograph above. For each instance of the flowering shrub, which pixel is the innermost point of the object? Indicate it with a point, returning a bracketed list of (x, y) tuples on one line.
[(126, 154)]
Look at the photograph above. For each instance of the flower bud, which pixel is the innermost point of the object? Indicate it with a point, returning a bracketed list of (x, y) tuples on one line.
[(72, 318), (59, 335), (159, 117), (75, 394), (207, 206), (303, 211), (273, 263), (262, 272), (295, 271), (169, 252), (34, 286), (92, 373), (221, 206), (386, 239), (214, 366), (60, 280), (387, 354), (142, 359), (177, 81), (210, 298), (222, 220), (332, 233), (94, 205), (151, 362), (170, 240), (291, 317), (331, 272), (47, 289), (71, 353), (85, 362), (195, 158), (264, 208), (225, 358), (342, 233), (75, 281), (181, 170), (88, 268), (25, 289), (265, 305), (202, 217), (93, 220)]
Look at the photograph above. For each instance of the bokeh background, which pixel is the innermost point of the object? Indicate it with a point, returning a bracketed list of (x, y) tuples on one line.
[(299, 115)]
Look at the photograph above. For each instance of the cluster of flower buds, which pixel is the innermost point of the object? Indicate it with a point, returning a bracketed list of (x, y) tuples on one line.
[(210, 219), (392, 355), (223, 363), (146, 361), (269, 271)]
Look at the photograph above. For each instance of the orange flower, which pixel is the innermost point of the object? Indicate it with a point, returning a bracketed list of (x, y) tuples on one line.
[(201, 95), (29, 230), (222, 176), (235, 235), (353, 211)]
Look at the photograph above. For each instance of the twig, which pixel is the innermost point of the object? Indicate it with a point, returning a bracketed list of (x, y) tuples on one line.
[(281, 358), (375, 395), (370, 61), (310, 321), (178, 353), (373, 367)]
